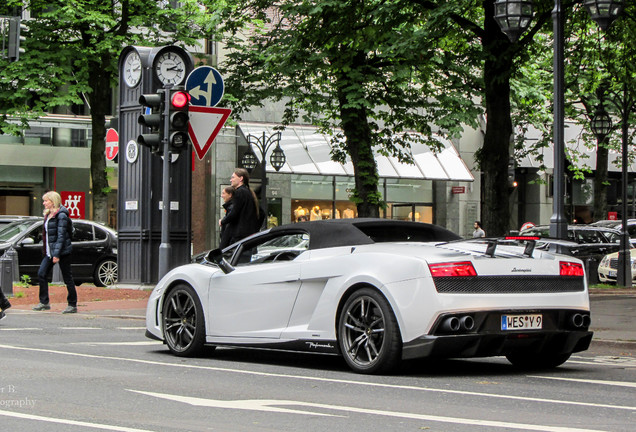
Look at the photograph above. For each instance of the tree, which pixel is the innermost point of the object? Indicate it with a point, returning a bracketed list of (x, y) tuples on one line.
[(353, 68), (72, 49)]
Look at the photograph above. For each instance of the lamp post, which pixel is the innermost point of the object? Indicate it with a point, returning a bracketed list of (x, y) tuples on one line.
[(602, 126), (514, 16), (277, 158)]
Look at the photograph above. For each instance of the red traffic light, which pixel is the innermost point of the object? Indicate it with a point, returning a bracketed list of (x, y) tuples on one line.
[(180, 99)]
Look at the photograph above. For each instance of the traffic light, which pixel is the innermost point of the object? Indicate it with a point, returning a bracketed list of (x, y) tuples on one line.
[(179, 117), (16, 38), (512, 183), (152, 118)]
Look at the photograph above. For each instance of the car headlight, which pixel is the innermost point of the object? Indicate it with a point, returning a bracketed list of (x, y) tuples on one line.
[(605, 261)]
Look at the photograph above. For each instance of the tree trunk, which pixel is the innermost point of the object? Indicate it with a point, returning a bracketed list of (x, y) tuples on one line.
[(99, 82), (600, 183), (355, 125), (495, 153)]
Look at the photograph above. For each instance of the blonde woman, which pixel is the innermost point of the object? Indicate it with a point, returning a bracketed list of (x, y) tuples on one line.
[(56, 236)]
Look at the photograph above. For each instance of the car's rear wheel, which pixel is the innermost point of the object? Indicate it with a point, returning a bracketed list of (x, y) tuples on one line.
[(105, 273), (368, 333), (183, 323), (533, 360)]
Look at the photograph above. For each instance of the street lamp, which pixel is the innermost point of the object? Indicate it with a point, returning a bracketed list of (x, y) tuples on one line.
[(512, 17), (624, 105), (277, 158)]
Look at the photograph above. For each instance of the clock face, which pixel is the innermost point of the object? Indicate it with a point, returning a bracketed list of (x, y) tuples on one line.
[(132, 69), (170, 68)]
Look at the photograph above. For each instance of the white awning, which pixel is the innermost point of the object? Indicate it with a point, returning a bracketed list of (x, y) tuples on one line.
[(308, 152), (573, 143)]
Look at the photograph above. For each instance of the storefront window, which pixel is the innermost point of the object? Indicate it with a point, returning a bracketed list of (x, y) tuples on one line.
[(329, 197)]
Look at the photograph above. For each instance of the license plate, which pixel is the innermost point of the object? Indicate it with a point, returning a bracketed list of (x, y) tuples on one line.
[(612, 273), (521, 322)]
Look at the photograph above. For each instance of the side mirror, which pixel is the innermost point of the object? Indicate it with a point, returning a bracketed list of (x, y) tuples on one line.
[(27, 241), (216, 256)]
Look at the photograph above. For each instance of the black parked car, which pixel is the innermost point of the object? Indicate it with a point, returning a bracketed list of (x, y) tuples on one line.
[(584, 241), (94, 257), (618, 225), (7, 219)]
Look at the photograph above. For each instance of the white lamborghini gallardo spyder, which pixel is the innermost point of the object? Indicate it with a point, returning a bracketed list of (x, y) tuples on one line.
[(376, 291)]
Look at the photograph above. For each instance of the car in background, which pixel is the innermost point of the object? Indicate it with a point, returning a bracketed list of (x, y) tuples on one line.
[(375, 292), (7, 219), (608, 267), (618, 225), (584, 241), (94, 257)]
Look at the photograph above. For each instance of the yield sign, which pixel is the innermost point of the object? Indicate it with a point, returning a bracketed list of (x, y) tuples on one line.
[(204, 125), (112, 144)]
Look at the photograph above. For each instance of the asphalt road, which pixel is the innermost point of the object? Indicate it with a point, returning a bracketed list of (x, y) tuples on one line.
[(84, 372)]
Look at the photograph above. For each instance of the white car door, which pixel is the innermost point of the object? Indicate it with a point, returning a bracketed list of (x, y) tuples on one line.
[(256, 299)]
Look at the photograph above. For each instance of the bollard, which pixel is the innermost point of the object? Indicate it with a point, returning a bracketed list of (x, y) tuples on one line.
[(13, 255), (57, 274), (6, 276), (591, 268)]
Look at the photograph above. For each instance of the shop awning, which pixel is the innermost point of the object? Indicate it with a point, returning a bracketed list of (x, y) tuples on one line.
[(308, 152), (574, 143)]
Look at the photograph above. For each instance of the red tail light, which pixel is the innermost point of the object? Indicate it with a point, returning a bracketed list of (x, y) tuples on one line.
[(570, 269), (522, 238), (452, 269)]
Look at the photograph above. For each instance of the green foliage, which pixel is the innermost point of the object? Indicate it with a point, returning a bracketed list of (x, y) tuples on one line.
[(25, 281), (71, 58), (357, 70)]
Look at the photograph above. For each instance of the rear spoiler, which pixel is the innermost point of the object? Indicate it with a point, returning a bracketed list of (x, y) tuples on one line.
[(530, 241)]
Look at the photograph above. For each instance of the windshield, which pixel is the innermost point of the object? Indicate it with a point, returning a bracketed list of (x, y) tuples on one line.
[(14, 229)]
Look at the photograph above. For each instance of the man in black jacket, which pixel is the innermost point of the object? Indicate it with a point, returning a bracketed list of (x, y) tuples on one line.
[(4, 305)]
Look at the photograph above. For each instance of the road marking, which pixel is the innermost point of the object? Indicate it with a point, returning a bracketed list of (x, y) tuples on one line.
[(131, 328), (270, 406), (21, 329), (320, 379), (627, 362), (81, 328), (588, 381), (251, 405), (70, 422), (137, 343)]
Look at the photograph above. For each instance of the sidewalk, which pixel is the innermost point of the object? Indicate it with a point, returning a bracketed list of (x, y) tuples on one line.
[(614, 316)]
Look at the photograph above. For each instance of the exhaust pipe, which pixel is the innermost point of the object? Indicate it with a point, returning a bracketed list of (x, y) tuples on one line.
[(576, 320), (467, 323), (450, 324), (587, 320)]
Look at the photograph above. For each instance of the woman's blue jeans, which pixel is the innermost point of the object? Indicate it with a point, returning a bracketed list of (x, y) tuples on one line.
[(67, 276)]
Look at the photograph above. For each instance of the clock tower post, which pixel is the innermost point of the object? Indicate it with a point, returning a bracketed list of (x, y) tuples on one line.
[(144, 70)]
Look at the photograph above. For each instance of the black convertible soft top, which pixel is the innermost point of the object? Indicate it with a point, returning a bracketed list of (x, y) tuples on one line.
[(360, 231)]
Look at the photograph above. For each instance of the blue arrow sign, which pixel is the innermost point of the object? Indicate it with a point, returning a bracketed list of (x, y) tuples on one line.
[(205, 86)]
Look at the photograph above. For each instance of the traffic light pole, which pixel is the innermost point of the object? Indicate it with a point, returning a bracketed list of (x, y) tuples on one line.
[(165, 248)]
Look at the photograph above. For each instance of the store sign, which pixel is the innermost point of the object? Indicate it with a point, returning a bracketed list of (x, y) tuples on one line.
[(458, 190), (75, 203)]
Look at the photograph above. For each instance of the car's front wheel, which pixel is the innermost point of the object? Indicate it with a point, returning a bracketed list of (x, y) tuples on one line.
[(105, 273), (533, 360), (183, 323), (368, 333)]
